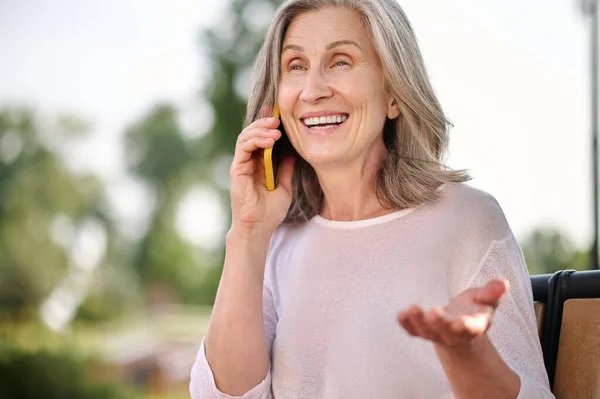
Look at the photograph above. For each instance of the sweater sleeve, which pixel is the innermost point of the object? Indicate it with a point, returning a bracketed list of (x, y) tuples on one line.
[(514, 330), (202, 383)]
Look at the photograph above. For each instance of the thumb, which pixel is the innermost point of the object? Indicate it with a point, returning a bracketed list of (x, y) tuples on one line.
[(492, 292), (286, 171)]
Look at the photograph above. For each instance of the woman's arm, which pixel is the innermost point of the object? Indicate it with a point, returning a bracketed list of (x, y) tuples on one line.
[(504, 360), (478, 372), (473, 366), (235, 343), (236, 349), (207, 379)]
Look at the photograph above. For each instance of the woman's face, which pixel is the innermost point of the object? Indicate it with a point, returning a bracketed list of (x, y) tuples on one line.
[(331, 93)]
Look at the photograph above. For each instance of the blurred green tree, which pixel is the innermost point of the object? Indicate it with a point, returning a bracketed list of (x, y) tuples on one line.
[(549, 250), (231, 51), (171, 163), (38, 194), (160, 155)]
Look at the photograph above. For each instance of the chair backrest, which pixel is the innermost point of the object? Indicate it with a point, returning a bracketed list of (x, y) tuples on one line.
[(578, 361), (540, 313)]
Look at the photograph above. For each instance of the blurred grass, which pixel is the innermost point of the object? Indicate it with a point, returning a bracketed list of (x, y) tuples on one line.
[(173, 395), (33, 336), (180, 322), (101, 345)]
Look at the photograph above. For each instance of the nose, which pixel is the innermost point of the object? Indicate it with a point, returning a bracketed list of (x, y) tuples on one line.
[(315, 87)]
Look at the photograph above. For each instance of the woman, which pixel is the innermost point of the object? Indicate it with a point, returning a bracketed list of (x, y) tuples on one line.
[(387, 271)]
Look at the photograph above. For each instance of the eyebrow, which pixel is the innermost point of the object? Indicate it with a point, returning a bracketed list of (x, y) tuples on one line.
[(339, 43), (332, 45)]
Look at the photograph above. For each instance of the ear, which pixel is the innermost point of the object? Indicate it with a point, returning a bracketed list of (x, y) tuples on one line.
[(393, 109)]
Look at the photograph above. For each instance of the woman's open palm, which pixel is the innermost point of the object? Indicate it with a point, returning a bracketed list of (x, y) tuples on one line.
[(457, 325)]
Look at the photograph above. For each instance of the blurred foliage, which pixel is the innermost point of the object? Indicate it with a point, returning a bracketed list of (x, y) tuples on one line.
[(161, 155), (163, 158), (549, 250), (231, 56), (50, 375), (36, 189)]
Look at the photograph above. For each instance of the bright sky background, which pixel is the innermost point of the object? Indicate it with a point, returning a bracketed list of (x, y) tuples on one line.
[(512, 75)]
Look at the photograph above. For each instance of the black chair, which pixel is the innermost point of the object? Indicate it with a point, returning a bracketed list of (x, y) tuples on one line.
[(573, 339), (568, 312)]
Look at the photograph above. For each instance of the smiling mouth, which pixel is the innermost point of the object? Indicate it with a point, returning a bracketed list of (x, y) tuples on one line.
[(325, 122)]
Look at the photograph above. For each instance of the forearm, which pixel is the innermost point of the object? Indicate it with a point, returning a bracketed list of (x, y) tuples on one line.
[(235, 341), (478, 372)]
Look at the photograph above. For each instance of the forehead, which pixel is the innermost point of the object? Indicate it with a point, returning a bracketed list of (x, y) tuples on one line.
[(323, 26)]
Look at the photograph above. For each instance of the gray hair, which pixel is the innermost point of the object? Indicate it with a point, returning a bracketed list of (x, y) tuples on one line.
[(416, 141)]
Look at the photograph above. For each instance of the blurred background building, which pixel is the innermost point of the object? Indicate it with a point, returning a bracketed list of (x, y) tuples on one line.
[(117, 126)]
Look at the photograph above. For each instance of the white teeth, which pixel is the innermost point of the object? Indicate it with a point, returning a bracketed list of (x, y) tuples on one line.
[(324, 120)]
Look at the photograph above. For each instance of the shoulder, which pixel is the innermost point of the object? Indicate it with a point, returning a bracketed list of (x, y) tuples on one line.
[(462, 197), (471, 223), (471, 211)]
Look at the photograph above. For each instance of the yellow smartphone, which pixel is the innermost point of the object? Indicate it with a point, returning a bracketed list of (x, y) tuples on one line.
[(271, 162)]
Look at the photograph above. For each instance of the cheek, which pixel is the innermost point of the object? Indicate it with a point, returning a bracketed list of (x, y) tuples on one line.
[(368, 97), (358, 90), (287, 98), (288, 93)]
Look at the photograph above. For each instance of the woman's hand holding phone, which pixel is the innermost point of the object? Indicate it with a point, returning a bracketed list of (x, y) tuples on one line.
[(254, 208), (235, 343)]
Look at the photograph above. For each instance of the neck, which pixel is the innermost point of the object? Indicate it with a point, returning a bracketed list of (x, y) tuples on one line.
[(349, 189)]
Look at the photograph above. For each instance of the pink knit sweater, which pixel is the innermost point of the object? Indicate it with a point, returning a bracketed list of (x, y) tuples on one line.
[(332, 290)]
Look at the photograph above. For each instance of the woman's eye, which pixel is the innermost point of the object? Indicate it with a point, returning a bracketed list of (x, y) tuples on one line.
[(341, 63), (296, 68)]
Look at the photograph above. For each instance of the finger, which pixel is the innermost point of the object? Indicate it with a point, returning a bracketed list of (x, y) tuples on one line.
[(437, 321), (258, 142), (404, 319), (250, 133), (425, 330), (244, 153), (492, 292), (265, 123)]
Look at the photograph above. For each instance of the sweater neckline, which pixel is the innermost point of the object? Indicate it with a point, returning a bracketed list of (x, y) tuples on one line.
[(355, 224)]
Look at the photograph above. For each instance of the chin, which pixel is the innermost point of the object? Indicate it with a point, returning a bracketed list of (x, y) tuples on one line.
[(323, 158)]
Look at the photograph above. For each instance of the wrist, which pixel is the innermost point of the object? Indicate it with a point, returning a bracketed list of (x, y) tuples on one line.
[(241, 235), (472, 349), (240, 231), (476, 368)]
